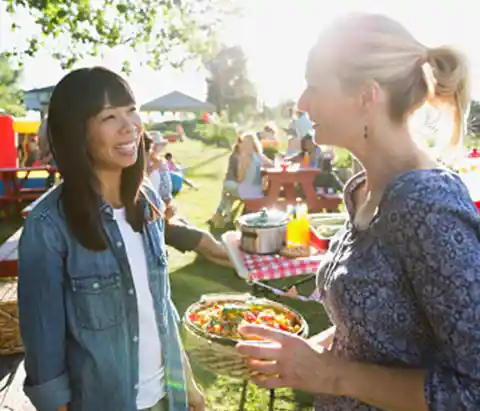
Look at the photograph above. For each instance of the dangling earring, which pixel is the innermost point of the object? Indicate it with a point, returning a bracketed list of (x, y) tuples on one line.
[(365, 132)]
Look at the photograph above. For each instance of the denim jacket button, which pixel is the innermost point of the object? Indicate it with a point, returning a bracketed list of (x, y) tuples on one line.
[(135, 339), (130, 291), (119, 244), (95, 285), (136, 386)]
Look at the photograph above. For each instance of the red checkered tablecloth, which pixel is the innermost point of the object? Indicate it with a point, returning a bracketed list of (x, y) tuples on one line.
[(274, 267)]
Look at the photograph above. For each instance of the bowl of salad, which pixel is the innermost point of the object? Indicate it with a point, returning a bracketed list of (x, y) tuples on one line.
[(211, 328)]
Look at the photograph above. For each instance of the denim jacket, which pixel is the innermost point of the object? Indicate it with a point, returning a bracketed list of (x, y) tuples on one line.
[(78, 315)]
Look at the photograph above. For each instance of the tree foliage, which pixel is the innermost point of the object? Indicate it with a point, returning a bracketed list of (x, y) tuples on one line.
[(474, 117), (10, 93), (165, 31), (229, 87)]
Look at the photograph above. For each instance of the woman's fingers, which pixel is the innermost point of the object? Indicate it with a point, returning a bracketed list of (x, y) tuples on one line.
[(263, 331), (268, 382), (264, 367), (259, 351)]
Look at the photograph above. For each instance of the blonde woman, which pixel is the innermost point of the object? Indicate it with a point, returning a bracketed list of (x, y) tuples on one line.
[(402, 288), (250, 161), (230, 188)]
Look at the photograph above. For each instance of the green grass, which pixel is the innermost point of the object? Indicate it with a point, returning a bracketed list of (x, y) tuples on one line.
[(191, 276)]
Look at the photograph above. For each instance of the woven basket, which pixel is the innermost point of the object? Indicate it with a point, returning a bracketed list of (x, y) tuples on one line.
[(10, 341), (218, 354)]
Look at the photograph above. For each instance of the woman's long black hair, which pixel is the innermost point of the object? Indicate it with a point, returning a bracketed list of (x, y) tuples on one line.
[(79, 96)]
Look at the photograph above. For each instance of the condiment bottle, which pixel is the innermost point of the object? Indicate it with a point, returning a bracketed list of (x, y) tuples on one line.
[(303, 224), (293, 233), (306, 160)]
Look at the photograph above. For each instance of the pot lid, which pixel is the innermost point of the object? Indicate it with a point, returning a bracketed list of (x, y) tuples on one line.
[(265, 218)]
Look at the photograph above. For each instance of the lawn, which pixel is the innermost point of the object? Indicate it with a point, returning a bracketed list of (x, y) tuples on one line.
[(191, 277)]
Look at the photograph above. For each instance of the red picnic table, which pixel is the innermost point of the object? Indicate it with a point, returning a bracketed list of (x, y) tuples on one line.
[(15, 190), (288, 179)]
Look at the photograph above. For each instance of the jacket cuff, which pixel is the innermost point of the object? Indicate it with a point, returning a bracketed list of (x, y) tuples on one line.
[(50, 395)]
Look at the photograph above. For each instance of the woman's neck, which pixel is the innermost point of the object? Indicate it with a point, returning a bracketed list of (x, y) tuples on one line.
[(386, 161), (110, 182), (381, 168)]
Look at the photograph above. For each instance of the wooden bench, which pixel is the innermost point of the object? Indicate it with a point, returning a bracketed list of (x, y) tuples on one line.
[(329, 203), (9, 255), (32, 205)]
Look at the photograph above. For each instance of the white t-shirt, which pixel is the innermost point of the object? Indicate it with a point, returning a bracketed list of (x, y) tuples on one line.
[(303, 125), (151, 381)]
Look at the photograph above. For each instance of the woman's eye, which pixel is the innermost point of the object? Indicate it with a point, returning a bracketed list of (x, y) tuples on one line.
[(110, 117), (133, 109)]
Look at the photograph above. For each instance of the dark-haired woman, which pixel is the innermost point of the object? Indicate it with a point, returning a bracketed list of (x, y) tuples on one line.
[(96, 316)]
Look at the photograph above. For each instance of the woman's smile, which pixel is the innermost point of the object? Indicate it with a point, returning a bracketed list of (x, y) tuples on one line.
[(128, 149)]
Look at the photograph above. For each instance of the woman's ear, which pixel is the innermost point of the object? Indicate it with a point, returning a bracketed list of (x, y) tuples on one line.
[(370, 96)]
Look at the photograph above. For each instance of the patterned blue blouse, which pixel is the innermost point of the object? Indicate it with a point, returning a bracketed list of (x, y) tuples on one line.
[(405, 292)]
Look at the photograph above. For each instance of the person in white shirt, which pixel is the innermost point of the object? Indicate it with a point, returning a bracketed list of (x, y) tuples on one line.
[(299, 127), (179, 233)]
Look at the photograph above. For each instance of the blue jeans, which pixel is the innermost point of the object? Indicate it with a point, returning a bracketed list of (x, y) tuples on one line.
[(162, 405), (230, 188)]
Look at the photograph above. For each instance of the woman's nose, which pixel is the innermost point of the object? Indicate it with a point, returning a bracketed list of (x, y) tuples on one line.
[(129, 126)]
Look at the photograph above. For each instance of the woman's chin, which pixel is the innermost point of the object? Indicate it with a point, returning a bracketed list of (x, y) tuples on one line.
[(319, 137), (323, 138), (127, 161)]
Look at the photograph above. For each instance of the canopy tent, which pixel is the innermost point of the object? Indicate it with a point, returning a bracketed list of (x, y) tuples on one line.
[(176, 101)]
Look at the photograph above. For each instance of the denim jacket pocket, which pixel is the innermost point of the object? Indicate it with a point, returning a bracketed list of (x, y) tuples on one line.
[(98, 301)]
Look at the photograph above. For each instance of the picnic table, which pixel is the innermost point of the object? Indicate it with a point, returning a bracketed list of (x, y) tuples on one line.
[(288, 179), (15, 190)]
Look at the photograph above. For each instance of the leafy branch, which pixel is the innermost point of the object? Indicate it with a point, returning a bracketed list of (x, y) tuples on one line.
[(167, 32)]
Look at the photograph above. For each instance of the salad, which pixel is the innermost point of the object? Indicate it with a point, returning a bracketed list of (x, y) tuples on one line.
[(223, 319)]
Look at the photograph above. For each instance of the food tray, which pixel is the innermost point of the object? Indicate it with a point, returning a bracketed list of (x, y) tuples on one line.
[(217, 353)]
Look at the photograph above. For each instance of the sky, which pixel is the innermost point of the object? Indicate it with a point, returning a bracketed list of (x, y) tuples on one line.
[(276, 36)]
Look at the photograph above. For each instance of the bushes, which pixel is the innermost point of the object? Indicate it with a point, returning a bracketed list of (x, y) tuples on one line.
[(343, 159), (189, 126), (271, 152), (222, 135)]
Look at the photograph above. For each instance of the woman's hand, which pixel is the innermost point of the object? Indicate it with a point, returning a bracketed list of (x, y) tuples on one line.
[(196, 399), (170, 211), (290, 361)]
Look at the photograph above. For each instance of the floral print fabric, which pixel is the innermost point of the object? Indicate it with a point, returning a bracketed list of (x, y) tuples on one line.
[(405, 292)]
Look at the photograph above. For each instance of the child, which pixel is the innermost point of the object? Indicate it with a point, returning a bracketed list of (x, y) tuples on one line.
[(174, 168), (171, 165)]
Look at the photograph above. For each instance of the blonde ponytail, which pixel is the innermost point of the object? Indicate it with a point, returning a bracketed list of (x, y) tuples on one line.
[(450, 72)]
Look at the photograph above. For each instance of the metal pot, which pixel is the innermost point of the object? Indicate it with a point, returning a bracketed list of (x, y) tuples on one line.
[(263, 232)]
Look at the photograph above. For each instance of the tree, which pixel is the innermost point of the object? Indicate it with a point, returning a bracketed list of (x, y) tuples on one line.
[(10, 93), (474, 117), (229, 87), (165, 31)]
